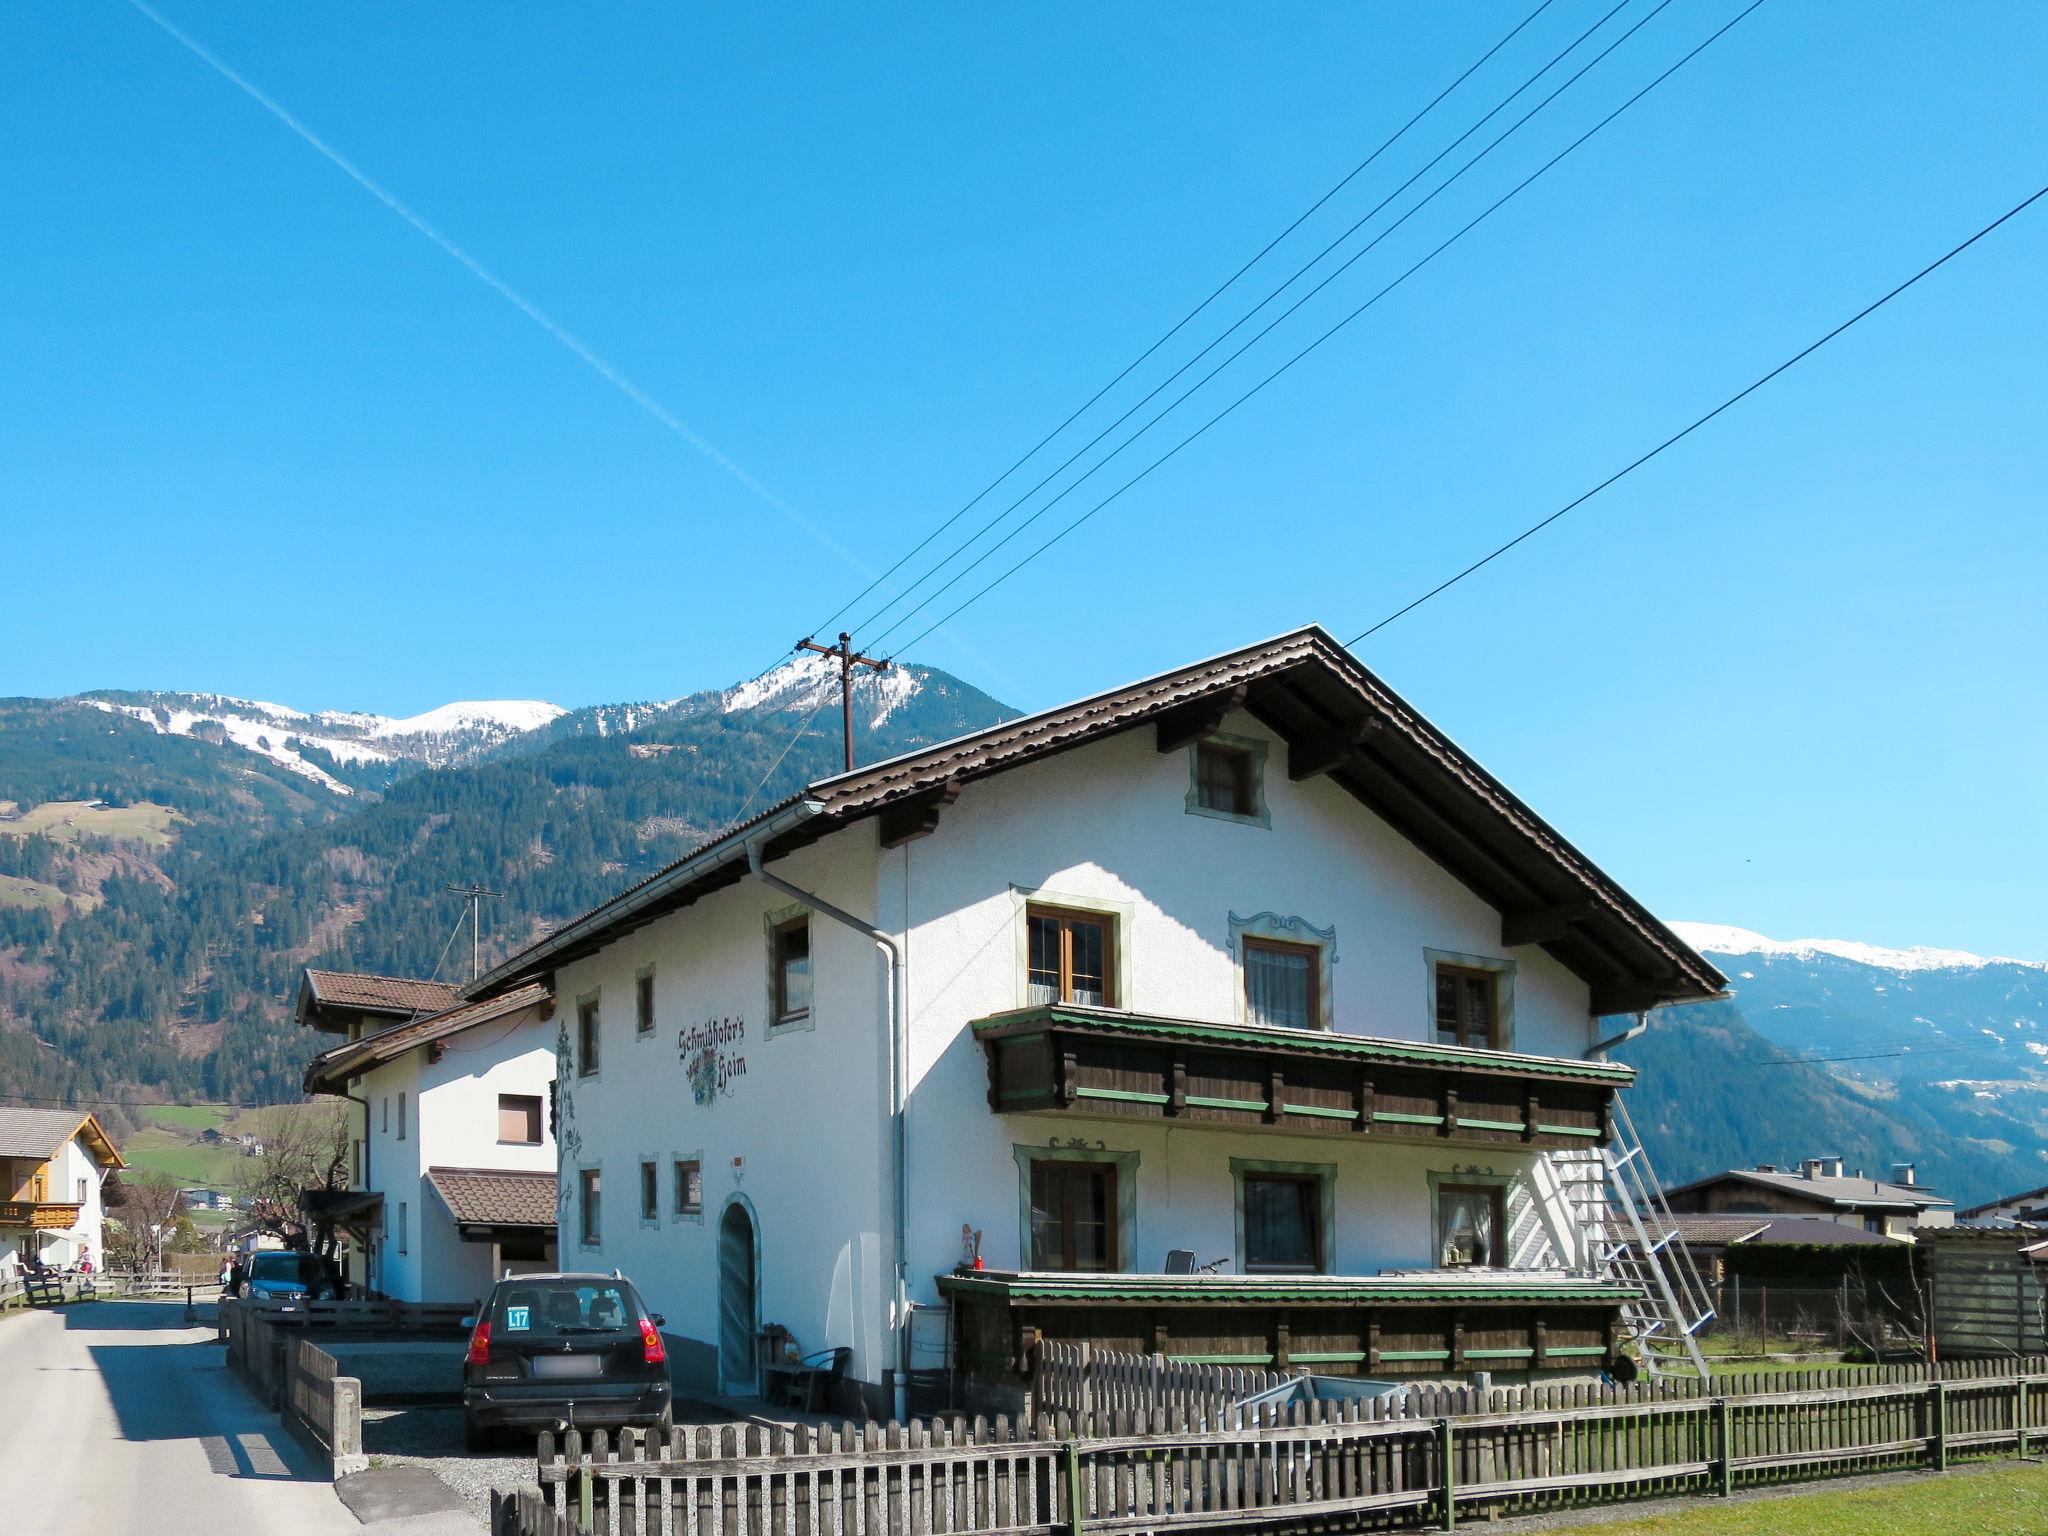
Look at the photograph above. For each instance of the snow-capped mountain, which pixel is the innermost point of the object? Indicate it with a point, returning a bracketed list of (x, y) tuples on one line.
[(1961, 1022), (324, 745)]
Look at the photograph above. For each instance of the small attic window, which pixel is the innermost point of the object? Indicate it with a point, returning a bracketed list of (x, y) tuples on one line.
[(1228, 774)]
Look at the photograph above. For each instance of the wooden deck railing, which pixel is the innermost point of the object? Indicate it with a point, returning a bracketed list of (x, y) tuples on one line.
[(1081, 1379), (1427, 1458)]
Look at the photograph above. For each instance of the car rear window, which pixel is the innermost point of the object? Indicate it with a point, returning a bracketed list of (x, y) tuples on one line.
[(563, 1308)]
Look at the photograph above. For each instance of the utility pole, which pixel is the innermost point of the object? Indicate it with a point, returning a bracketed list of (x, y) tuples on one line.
[(848, 660), (476, 895)]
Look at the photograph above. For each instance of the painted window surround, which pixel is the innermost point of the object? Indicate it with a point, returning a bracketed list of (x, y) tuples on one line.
[(1255, 747), (1126, 1165), (646, 1160), (1503, 989), (694, 1218), (583, 1238), (653, 1022), (1514, 1200), (593, 999), (1290, 930), (1121, 915), (1325, 1175), (770, 921)]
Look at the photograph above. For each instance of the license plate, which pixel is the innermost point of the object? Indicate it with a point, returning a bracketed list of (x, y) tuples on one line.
[(555, 1367)]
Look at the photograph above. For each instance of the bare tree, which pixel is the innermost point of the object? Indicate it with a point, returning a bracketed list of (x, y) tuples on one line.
[(148, 1219), (302, 1147)]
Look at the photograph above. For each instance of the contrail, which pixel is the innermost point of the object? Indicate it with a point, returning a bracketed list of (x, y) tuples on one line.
[(540, 317)]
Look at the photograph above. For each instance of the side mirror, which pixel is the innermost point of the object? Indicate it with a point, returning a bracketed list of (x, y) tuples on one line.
[(658, 1320), (469, 1322)]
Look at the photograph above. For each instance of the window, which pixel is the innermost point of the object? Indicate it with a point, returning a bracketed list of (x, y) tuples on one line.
[(1870, 1223), (650, 1192), (1467, 1007), (519, 1119), (1070, 957), (790, 948), (1224, 779), (403, 1223), (590, 1192), (384, 1105), (1073, 1216), (643, 1003), (355, 1164), (1468, 1226), (85, 1194), (401, 1117), (587, 1037), (1283, 1224), (689, 1187), (1281, 983)]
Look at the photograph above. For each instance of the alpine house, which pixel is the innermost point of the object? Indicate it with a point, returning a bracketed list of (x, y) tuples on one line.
[(1235, 1015)]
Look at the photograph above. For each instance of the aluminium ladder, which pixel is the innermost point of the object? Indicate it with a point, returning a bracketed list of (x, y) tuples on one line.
[(1629, 1236)]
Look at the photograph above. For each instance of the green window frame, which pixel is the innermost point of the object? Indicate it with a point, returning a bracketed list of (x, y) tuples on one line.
[(1323, 1176)]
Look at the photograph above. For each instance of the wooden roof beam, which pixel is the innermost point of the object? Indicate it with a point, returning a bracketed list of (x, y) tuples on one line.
[(917, 816), (1543, 925), (1635, 996), (1311, 756), (1204, 717)]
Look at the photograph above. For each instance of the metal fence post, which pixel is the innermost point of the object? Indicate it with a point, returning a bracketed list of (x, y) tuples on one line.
[(1448, 1451), (1941, 1426), (1724, 1464)]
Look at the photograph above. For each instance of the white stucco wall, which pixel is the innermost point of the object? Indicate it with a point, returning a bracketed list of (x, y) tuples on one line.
[(451, 1121), (794, 1133), (1105, 825)]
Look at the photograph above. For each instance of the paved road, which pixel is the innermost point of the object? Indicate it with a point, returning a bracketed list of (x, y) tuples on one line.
[(118, 1419)]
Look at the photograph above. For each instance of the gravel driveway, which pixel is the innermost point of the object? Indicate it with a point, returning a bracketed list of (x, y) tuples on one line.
[(432, 1438)]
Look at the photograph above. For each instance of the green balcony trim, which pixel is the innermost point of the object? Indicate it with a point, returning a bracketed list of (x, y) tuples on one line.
[(1568, 1130), (1010, 1095), (1415, 1354), (1499, 1354), (1328, 1357), (1223, 1359), (1394, 1117), (1243, 1290), (1200, 1101), (1574, 1349), (1044, 1017), (1465, 1124), (1319, 1111), (1123, 1095)]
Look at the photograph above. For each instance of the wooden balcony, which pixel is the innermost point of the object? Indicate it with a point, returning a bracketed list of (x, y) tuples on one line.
[(1069, 1062), (1431, 1323), (39, 1215)]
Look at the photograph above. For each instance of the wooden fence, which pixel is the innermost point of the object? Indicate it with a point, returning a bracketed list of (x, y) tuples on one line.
[(1428, 1458), (325, 1407), (1081, 1379)]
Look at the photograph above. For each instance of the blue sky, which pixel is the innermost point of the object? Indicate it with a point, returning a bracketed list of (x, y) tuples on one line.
[(258, 434)]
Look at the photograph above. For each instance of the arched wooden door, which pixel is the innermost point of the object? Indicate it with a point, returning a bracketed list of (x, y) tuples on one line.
[(739, 1316)]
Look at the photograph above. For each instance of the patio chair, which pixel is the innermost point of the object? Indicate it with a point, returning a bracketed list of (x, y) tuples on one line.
[(810, 1384), (1180, 1261)]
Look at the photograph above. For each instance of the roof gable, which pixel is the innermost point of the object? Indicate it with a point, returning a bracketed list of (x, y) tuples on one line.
[(331, 1069), (1336, 718), (363, 992), (42, 1133)]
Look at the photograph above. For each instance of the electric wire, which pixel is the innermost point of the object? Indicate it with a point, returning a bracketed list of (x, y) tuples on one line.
[(1687, 431), (1333, 330), (1498, 107), (1185, 320)]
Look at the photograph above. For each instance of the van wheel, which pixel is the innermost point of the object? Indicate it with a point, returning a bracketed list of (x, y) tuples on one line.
[(475, 1438)]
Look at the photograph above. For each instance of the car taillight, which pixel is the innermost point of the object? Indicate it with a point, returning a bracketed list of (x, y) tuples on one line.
[(652, 1350), (480, 1344)]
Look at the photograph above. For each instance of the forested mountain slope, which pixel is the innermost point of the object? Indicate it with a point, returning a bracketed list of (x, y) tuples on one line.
[(161, 887)]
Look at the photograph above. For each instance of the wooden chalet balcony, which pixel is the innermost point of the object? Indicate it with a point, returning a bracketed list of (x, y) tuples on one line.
[(1423, 1323), (39, 1215), (1068, 1061)]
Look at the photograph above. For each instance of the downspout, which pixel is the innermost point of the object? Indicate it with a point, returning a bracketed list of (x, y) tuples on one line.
[(892, 955)]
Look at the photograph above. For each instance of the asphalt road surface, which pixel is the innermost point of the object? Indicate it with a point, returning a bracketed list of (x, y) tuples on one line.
[(117, 1419)]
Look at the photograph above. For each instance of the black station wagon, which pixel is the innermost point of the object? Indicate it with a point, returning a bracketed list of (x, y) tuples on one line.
[(550, 1351)]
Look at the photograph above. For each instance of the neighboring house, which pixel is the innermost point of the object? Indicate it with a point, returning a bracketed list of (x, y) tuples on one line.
[(1818, 1188), (1246, 962), (1988, 1288), (53, 1163), (2031, 1206), (452, 1154)]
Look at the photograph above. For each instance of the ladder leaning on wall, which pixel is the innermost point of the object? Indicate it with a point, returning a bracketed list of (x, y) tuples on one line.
[(1628, 1235)]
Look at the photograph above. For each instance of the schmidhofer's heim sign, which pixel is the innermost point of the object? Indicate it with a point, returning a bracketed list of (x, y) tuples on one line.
[(709, 1060)]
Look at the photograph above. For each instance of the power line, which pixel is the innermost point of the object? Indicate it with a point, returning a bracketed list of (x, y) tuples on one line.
[(1245, 318), (1184, 320), (1687, 431), (1466, 229)]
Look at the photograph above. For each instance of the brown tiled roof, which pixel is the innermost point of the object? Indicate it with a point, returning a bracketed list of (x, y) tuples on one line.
[(38, 1133), (378, 994), (333, 1067), (1827, 1189), (1318, 697), (1706, 1231), (496, 1197)]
